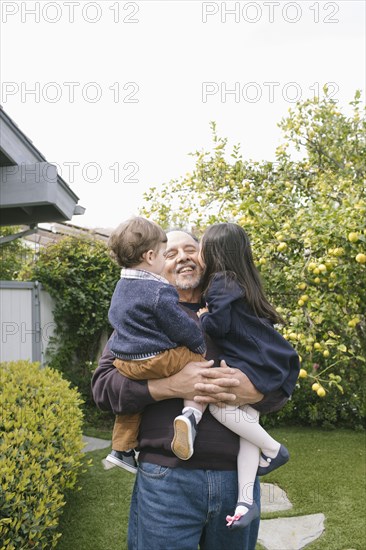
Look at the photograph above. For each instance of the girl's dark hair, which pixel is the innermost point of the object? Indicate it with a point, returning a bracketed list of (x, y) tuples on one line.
[(132, 238), (226, 247)]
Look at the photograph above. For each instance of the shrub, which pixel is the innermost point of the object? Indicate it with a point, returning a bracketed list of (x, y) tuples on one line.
[(40, 453), (80, 276)]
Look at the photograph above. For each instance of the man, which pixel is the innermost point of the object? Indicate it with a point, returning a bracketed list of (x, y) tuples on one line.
[(180, 505)]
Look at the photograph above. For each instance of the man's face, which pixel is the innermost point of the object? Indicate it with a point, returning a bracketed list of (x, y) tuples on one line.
[(181, 261)]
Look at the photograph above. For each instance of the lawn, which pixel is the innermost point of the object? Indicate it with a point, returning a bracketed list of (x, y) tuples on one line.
[(95, 518), (326, 474)]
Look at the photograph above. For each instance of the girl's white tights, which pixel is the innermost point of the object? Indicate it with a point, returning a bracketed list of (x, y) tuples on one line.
[(244, 421)]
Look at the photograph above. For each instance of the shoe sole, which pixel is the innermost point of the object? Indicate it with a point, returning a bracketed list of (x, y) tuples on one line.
[(116, 462), (182, 444)]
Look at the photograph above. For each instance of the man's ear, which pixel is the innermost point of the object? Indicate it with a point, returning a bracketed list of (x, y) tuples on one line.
[(149, 256)]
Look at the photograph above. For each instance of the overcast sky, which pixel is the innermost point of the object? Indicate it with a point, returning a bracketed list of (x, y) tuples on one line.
[(118, 93)]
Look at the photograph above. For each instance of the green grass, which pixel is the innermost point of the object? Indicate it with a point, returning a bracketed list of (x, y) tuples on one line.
[(326, 474), (96, 517), (102, 433)]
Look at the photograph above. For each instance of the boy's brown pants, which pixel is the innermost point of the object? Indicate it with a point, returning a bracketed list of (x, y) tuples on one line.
[(167, 363)]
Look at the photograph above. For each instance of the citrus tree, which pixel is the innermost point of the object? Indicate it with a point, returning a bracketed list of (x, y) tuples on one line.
[(305, 213)]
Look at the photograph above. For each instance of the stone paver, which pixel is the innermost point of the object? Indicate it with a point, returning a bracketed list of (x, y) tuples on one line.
[(290, 533), (93, 443), (273, 498), (286, 533)]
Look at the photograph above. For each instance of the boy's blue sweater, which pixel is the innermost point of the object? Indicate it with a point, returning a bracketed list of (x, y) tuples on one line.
[(147, 320), (248, 343)]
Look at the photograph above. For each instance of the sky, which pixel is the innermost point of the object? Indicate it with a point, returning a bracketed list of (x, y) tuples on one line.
[(117, 94)]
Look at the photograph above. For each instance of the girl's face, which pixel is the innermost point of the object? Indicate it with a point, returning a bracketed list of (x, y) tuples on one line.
[(200, 258)]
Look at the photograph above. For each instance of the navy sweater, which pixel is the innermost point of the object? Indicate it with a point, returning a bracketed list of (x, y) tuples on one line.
[(248, 343), (147, 320)]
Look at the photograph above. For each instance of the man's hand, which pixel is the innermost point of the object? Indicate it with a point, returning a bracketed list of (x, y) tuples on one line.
[(182, 384), (227, 385), (201, 311)]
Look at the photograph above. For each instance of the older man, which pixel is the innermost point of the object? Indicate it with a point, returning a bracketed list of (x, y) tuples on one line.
[(180, 505)]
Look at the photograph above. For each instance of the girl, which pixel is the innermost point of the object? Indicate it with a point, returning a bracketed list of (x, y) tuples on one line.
[(240, 319)]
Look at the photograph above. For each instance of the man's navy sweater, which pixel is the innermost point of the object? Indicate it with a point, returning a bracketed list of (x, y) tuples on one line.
[(148, 320)]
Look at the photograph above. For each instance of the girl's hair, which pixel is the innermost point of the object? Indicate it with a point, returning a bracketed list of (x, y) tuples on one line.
[(226, 247), (132, 238)]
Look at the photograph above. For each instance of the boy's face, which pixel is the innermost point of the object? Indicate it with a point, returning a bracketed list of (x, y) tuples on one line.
[(158, 259)]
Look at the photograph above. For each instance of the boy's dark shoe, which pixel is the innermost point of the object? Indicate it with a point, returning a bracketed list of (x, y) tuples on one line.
[(123, 459)]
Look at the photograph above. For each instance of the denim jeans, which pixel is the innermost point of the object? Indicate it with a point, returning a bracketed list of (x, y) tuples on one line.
[(182, 509)]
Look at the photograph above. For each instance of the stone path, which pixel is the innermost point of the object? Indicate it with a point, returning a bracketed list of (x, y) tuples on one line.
[(286, 533), (273, 498), (292, 533), (94, 444)]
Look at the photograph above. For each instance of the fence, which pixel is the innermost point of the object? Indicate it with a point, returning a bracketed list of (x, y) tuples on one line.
[(27, 322)]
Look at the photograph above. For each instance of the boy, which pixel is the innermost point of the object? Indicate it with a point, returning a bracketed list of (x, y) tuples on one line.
[(153, 337)]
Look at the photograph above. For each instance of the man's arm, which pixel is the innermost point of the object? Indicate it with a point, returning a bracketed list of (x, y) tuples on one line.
[(228, 385), (180, 385), (114, 392)]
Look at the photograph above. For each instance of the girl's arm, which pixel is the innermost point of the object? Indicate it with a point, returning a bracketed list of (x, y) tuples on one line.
[(221, 293), (202, 311)]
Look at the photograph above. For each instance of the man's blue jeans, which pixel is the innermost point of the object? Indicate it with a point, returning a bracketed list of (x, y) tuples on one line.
[(181, 509)]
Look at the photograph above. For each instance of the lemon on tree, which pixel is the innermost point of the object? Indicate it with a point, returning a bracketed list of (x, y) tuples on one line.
[(295, 210)]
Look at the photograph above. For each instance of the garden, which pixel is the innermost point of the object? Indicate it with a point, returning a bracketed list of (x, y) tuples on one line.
[(305, 213)]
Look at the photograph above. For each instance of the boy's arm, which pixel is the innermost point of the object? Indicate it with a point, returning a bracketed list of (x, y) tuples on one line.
[(175, 323)]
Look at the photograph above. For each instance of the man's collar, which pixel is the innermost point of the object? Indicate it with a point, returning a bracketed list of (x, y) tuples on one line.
[(128, 273)]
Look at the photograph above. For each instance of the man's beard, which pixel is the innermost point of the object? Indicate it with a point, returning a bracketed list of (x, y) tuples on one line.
[(188, 285), (193, 281)]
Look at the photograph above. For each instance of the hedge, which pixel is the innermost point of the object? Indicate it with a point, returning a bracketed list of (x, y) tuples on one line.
[(40, 453)]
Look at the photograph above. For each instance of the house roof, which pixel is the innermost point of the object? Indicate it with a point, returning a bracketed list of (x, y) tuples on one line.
[(31, 190), (57, 231)]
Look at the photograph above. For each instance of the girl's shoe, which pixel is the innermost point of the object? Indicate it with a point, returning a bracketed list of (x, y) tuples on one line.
[(240, 521), (273, 463)]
